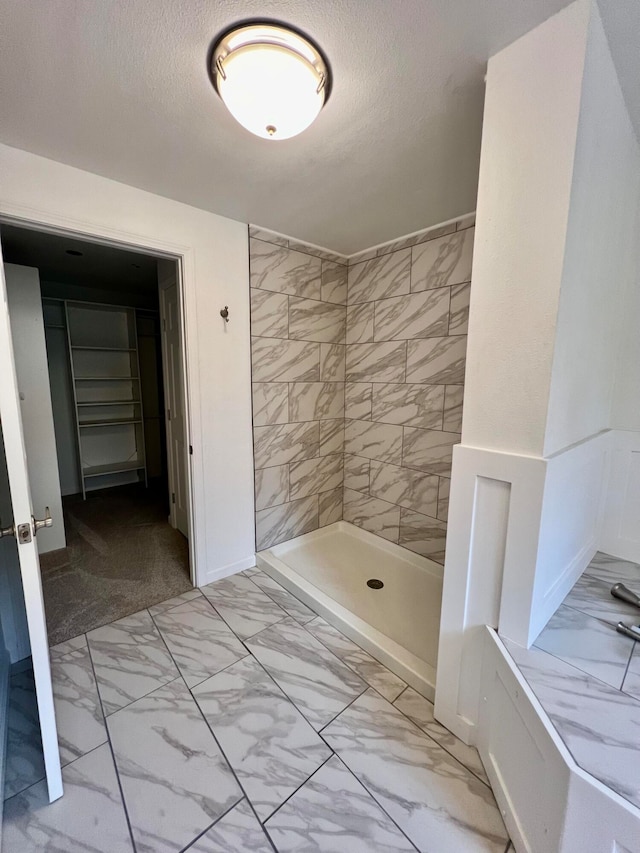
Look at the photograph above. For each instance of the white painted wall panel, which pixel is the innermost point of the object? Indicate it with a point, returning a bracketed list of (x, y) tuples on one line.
[(528, 143), (215, 267), (600, 257)]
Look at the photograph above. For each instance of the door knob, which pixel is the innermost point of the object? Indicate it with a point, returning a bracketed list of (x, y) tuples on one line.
[(39, 523), (8, 531)]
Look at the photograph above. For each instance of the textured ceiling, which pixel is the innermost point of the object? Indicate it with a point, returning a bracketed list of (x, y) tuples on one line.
[(120, 88)]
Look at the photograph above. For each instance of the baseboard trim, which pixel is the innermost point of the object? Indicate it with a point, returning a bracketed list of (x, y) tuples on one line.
[(230, 569)]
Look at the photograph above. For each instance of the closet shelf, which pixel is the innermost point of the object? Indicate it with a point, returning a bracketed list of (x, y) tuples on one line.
[(109, 422), (103, 356), (106, 378), (112, 468), (109, 403), (105, 349)]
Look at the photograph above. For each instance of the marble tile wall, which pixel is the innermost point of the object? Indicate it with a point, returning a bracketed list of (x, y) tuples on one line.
[(358, 374), (298, 328), (406, 328)]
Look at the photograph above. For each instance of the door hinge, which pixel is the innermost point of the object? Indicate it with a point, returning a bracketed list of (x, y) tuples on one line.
[(164, 325), (24, 533), (190, 450), (168, 414), (173, 497)]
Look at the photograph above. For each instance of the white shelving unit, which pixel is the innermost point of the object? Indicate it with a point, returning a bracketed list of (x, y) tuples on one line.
[(105, 372)]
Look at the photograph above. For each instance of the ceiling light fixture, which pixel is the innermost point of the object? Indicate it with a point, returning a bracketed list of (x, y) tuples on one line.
[(271, 79)]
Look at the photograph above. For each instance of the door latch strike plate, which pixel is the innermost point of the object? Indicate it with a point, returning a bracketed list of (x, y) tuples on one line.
[(24, 533)]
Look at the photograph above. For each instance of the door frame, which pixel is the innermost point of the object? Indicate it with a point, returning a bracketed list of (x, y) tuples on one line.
[(184, 262), (163, 279)]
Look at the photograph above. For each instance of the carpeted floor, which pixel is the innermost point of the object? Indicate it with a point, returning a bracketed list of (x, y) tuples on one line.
[(121, 557)]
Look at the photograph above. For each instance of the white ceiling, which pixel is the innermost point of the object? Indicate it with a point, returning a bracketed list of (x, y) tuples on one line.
[(120, 88)]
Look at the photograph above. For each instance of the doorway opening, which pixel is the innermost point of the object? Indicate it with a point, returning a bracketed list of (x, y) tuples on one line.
[(99, 352)]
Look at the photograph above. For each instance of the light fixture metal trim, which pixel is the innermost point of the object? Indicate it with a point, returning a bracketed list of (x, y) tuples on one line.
[(271, 63)]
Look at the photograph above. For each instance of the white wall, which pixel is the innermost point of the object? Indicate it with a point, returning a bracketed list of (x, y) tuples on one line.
[(602, 245), (30, 352), (528, 142), (554, 255), (214, 254)]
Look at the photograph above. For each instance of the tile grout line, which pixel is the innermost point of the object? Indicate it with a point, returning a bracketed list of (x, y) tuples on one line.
[(216, 821), (380, 806), (302, 784), (230, 766), (289, 699), (443, 748), (350, 666), (112, 751)]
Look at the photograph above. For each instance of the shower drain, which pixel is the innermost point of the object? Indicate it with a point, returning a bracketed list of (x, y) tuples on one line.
[(374, 583)]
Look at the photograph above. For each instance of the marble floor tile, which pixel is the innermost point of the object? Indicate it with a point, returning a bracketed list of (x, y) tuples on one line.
[(313, 678), (288, 602), (611, 570), (593, 646), (436, 802), (199, 640), (333, 813), (89, 817), (75, 694), (254, 570), (631, 683), (130, 660), (170, 603), (269, 744), (595, 720), (244, 607), (593, 597), (367, 667), (24, 759), (174, 778), (420, 711), (236, 832)]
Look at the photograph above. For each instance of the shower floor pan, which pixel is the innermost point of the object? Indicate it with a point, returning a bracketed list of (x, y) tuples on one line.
[(398, 623)]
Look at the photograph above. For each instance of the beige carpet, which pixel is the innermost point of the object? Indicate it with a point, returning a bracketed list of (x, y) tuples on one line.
[(121, 557)]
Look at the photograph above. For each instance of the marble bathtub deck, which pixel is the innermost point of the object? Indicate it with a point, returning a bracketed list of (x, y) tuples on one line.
[(233, 718), (587, 676)]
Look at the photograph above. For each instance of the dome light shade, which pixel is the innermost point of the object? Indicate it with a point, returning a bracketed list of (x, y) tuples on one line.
[(273, 81)]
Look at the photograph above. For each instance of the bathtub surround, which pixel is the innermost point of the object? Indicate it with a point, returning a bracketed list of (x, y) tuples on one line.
[(298, 326), (378, 339), (407, 310)]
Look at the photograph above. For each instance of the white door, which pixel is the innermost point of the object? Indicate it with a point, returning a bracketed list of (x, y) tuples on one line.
[(175, 419), (25, 550)]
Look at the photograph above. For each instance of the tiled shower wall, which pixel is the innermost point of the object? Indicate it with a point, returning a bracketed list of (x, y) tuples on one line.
[(399, 315), (406, 344), (298, 326)]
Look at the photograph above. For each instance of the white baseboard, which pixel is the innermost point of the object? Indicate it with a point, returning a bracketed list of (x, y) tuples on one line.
[(562, 586), (231, 569)]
